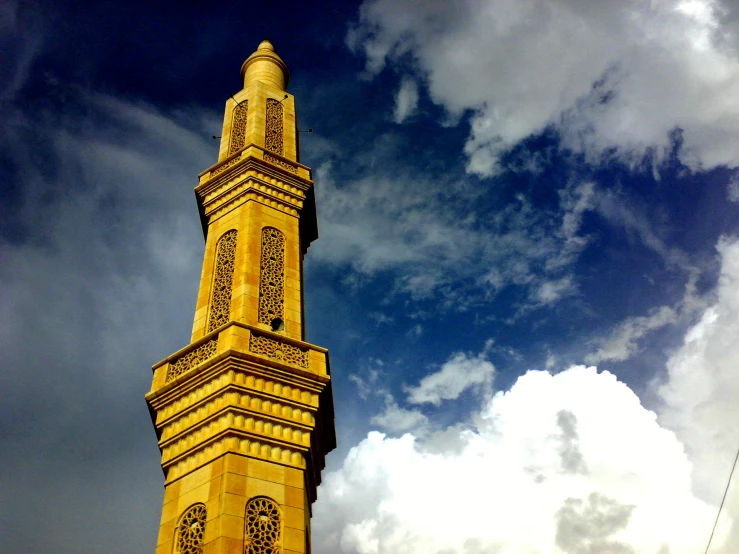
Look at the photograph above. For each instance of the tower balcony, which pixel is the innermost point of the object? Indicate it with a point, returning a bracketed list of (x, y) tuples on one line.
[(244, 390)]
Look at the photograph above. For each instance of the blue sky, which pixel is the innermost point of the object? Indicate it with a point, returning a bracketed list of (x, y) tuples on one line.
[(527, 273)]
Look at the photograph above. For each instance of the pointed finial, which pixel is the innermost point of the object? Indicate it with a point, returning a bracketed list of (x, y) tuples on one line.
[(266, 66), (266, 45)]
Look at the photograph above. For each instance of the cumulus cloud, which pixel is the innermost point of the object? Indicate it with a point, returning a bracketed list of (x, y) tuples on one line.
[(459, 373), (616, 77), (570, 462), (701, 386)]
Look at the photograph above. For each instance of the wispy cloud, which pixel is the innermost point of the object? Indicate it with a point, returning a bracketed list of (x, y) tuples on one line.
[(409, 226), (406, 100), (458, 374), (91, 295)]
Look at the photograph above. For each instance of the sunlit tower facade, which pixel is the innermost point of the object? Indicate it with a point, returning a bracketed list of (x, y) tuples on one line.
[(244, 413)]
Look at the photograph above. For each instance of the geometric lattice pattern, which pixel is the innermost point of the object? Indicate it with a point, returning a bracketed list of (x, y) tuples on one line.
[(190, 531), (262, 527), (273, 130), (280, 351), (238, 127), (192, 359), (220, 303), (272, 276)]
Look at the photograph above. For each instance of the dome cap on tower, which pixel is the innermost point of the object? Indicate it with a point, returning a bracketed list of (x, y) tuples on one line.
[(266, 66)]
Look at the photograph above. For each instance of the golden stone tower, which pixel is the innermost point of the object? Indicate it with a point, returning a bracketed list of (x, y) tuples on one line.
[(244, 413)]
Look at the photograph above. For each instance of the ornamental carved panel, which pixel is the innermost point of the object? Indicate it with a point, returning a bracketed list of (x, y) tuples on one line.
[(273, 131), (220, 301), (280, 351), (272, 278), (192, 359), (238, 127), (262, 527), (190, 531)]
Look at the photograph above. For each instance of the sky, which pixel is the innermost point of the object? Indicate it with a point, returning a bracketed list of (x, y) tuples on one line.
[(527, 273)]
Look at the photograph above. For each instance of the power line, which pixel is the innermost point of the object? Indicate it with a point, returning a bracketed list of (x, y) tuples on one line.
[(722, 502)]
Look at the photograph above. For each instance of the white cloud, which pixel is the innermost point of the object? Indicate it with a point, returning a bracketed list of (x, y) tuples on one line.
[(399, 420), (406, 100), (459, 373), (732, 189), (564, 463), (609, 75), (550, 292), (623, 343), (561, 463), (701, 388)]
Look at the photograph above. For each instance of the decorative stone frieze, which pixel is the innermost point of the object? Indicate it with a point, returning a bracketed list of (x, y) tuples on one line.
[(282, 163), (192, 359), (280, 351)]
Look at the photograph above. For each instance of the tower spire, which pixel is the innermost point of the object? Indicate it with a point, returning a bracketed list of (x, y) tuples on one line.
[(244, 413)]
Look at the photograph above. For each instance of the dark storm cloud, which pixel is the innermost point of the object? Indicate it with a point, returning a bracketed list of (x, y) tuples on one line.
[(90, 296), (569, 450), (585, 526)]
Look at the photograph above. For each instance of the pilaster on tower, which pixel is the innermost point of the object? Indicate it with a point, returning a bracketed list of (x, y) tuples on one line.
[(244, 413)]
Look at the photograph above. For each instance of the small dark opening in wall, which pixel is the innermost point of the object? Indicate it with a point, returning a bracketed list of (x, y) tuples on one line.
[(278, 324)]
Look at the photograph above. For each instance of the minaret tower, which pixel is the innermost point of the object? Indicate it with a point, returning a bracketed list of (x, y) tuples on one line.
[(244, 413)]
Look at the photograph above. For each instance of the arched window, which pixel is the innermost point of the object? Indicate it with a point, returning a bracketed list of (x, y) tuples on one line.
[(238, 127), (190, 531), (220, 301), (272, 279), (262, 527)]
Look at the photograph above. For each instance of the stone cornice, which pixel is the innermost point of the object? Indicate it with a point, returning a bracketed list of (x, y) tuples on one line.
[(255, 174), (252, 157)]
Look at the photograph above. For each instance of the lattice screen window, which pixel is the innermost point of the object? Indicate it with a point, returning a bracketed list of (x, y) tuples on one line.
[(238, 127), (220, 300), (272, 279), (273, 132), (262, 527), (190, 531)]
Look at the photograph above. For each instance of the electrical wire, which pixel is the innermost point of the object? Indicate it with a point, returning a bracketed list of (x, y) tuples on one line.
[(726, 490)]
